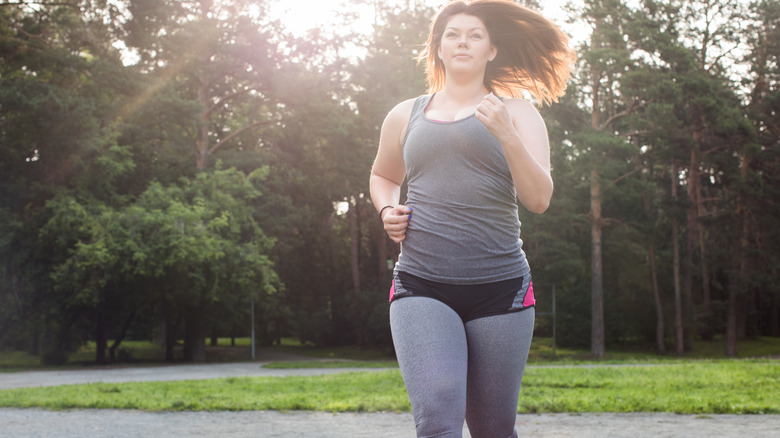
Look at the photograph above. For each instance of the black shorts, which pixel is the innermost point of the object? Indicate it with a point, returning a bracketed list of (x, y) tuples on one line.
[(469, 301)]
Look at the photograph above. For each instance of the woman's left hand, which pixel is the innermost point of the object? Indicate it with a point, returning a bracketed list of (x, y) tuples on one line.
[(495, 116), (520, 129)]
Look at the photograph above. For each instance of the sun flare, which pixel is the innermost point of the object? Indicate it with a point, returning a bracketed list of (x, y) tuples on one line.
[(299, 16)]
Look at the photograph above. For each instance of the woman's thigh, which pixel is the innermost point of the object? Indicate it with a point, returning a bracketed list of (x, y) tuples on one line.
[(430, 344), (498, 350)]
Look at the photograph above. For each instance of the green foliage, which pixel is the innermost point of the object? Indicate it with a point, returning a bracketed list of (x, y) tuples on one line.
[(109, 228)]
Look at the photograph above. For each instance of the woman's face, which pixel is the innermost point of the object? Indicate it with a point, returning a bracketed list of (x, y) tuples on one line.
[(465, 45)]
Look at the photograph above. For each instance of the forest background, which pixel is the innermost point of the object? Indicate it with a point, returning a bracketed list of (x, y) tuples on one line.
[(223, 174)]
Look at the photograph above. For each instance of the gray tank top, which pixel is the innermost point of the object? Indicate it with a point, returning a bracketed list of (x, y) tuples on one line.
[(464, 227)]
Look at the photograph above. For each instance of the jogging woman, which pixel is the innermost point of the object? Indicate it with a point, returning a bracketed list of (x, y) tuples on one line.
[(462, 303)]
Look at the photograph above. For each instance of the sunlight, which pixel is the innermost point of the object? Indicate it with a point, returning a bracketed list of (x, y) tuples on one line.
[(299, 16)]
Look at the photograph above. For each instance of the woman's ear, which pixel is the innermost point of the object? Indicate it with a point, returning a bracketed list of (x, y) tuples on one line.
[(493, 53)]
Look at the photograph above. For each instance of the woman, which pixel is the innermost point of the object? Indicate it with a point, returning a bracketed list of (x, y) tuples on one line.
[(462, 305)]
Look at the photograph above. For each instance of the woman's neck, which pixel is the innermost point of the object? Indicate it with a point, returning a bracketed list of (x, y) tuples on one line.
[(464, 92), (455, 102)]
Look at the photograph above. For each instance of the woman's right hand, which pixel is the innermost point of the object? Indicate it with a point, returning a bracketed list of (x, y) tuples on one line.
[(396, 221)]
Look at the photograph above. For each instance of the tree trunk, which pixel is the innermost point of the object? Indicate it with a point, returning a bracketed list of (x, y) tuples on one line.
[(596, 282), (659, 308), (743, 309), (35, 342), (731, 322), (737, 287), (121, 337), (101, 337), (278, 324), (596, 268), (692, 227), (354, 250), (706, 287), (204, 97), (678, 309), (170, 338), (774, 317), (194, 340), (202, 139), (159, 338), (354, 245)]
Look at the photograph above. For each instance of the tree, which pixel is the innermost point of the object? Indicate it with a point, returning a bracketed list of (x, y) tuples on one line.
[(604, 59), (763, 108), (59, 72), (217, 56), (756, 191), (692, 121), (107, 228)]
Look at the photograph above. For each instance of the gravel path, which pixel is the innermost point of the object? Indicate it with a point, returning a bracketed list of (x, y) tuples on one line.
[(23, 423), (36, 423), (27, 379)]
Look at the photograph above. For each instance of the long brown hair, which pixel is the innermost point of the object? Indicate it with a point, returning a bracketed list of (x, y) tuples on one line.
[(533, 52)]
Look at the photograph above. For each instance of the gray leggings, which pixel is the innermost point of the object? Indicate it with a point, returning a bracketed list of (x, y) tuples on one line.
[(454, 370)]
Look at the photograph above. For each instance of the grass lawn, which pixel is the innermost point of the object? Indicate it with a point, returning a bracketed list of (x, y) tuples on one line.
[(762, 347), (699, 387), (701, 382)]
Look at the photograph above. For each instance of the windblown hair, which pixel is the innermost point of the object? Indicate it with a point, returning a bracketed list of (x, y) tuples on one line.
[(533, 52)]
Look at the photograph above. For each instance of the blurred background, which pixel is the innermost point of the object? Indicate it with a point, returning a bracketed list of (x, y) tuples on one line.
[(182, 171)]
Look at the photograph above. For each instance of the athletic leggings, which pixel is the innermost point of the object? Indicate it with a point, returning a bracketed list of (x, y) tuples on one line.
[(455, 370)]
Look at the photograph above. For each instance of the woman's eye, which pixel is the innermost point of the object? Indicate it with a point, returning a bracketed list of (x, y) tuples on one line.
[(450, 35), (476, 36)]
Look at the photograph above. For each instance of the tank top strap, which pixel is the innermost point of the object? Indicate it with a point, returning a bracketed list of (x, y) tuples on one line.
[(418, 112)]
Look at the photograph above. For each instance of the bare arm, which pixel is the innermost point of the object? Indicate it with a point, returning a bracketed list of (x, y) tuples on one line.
[(388, 172), (523, 136)]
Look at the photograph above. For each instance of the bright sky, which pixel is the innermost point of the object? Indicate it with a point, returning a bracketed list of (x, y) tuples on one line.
[(301, 15)]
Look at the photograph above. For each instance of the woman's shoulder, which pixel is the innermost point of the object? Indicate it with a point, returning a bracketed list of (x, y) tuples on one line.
[(403, 110), (520, 105), (523, 111), (406, 106), (403, 107)]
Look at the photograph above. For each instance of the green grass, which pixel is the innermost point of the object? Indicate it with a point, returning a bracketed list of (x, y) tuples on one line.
[(701, 387), (11, 361), (380, 391), (761, 347)]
